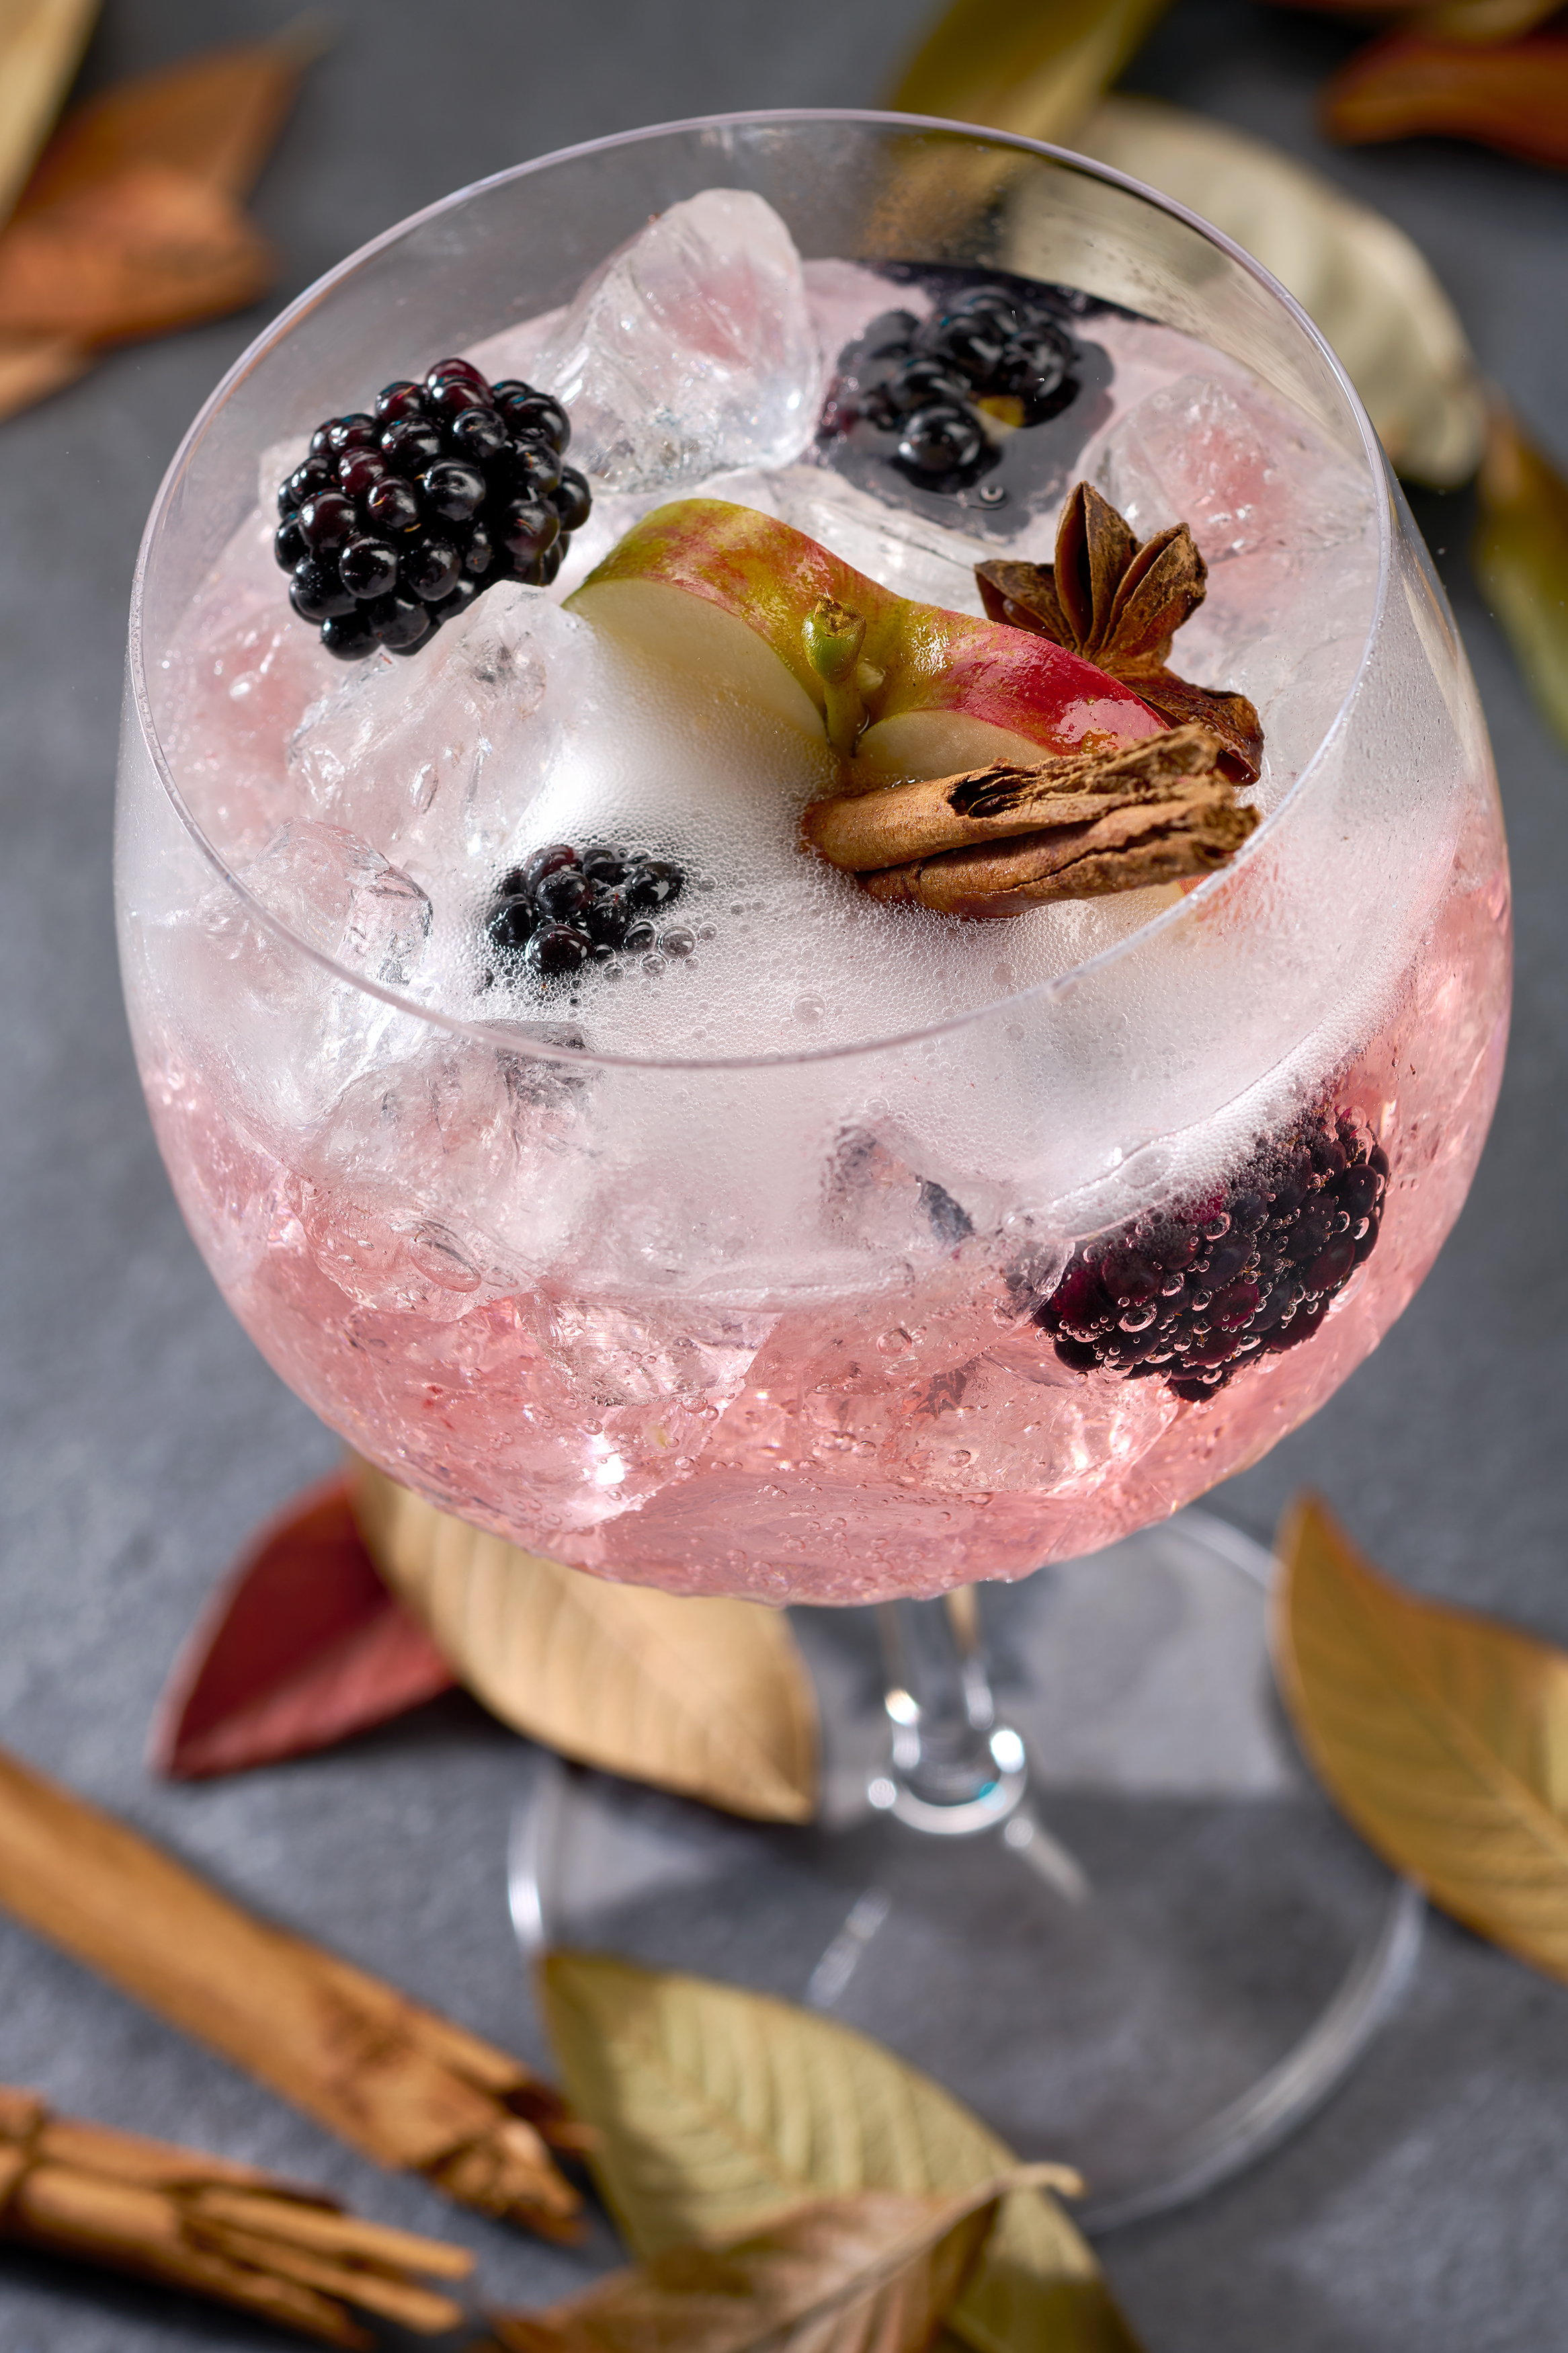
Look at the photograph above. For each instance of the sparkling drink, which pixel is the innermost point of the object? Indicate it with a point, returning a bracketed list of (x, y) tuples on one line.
[(808, 1247)]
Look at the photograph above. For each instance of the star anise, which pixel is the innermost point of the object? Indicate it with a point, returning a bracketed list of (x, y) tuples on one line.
[(1118, 602)]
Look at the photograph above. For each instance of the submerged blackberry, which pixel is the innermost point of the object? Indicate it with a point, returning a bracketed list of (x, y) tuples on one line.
[(1194, 1292), (563, 906), (394, 523), (929, 396)]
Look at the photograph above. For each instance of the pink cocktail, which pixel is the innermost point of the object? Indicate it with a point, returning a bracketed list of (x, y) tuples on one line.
[(854, 1252)]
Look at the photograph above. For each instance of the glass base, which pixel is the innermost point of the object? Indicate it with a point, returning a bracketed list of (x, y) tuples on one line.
[(1154, 1954)]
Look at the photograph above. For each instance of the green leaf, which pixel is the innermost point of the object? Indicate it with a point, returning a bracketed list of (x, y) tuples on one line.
[(1521, 556), (721, 2110)]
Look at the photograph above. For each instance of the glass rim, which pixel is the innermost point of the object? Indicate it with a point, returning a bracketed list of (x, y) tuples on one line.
[(506, 1036)]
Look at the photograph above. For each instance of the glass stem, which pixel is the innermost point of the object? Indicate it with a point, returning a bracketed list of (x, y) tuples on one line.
[(949, 1753)]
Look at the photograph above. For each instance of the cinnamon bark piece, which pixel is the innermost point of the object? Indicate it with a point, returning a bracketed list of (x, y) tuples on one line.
[(201, 2223), (1118, 602), (862, 831), (1132, 848), (407, 2087)]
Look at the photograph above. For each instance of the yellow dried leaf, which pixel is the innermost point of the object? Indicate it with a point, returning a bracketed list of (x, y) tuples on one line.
[(1521, 558), (151, 250), (718, 2110), (707, 1696), (34, 365), (1443, 1736), (1033, 71), (1361, 280), (41, 42), (214, 116), (872, 2272)]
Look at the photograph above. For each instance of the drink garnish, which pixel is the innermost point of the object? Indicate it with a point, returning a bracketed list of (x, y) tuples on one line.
[(565, 908), (1001, 839), (1192, 1292), (396, 521), (1118, 602)]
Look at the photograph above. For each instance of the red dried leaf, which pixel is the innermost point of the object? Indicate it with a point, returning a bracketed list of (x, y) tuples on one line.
[(300, 1646)]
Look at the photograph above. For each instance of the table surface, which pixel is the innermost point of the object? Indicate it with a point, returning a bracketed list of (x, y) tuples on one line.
[(141, 1436)]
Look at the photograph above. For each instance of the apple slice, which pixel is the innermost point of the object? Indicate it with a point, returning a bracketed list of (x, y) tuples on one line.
[(902, 689)]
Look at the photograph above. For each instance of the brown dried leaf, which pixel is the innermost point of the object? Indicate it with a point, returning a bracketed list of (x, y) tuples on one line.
[(214, 117), (1413, 84), (1443, 1736), (872, 2272), (41, 42), (149, 249), (707, 1696), (719, 2110), (302, 1646)]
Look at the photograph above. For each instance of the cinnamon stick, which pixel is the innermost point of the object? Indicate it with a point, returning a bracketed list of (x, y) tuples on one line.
[(862, 831), (405, 2085), (194, 2222), (1002, 839), (1135, 848)]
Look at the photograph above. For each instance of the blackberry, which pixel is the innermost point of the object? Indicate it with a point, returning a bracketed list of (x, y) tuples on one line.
[(1191, 1292), (396, 521), (916, 393), (942, 439), (563, 907)]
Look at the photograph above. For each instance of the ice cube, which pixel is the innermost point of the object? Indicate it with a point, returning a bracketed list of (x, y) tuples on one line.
[(343, 897), (690, 351), (446, 1167), (443, 750), (1243, 475)]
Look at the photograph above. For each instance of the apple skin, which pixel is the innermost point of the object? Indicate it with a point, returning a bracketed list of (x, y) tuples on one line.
[(942, 690)]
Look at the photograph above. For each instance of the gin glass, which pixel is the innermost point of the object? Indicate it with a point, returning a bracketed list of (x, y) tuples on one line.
[(808, 1322)]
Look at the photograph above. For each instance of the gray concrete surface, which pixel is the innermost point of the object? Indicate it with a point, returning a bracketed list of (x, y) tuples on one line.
[(140, 1433)]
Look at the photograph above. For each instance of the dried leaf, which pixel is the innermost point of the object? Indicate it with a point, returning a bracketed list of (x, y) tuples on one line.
[(1364, 282), (872, 2272), (1036, 70), (1464, 20), (300, 1646), (41, 42), (1443, 1736), (1513, 96), (149, 249), (31, 366), (214, 117), (710, 1697), (719, 2110), (1521, 557)]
